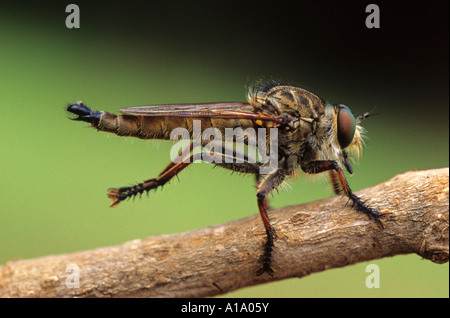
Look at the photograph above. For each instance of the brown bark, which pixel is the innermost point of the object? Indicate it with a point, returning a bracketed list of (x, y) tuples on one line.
[(310, 238)]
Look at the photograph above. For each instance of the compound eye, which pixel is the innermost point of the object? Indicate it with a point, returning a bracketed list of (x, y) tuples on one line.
[(346, 125)]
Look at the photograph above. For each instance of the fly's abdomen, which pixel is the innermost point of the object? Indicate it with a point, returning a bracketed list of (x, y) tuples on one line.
[(144, 127), (161, 127), (150, 127), (122, 125)]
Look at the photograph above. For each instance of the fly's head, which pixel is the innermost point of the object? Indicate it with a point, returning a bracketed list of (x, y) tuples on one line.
[(338, 137), (346, 135)]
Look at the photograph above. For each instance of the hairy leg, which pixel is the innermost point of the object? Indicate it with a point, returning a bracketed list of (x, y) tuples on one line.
[(340, 186)]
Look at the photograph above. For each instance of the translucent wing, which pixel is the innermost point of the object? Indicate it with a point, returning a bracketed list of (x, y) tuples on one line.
[(216, 110)]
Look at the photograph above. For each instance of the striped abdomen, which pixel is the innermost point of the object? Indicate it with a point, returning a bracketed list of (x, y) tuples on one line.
[(150, 127)]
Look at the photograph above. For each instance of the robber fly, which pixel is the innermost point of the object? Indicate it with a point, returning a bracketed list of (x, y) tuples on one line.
[(312, 135)]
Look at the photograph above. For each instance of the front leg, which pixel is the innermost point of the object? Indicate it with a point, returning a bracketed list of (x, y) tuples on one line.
[(341, 186)]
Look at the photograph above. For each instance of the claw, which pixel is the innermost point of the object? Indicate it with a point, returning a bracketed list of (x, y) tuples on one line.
[(113, 193), (114, 203), (116, 195), (379, 220)]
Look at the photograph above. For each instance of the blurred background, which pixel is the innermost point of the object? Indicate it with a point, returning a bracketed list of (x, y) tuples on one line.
[(55, 172)]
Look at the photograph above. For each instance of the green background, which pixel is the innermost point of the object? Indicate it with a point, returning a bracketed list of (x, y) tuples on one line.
[(55, 172)]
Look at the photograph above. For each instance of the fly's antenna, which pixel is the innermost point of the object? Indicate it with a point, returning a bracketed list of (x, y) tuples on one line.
[(360, 118), (365, 115)]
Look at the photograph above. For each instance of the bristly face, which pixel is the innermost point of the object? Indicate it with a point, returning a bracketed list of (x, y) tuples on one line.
[(345, 139), (338, 136)]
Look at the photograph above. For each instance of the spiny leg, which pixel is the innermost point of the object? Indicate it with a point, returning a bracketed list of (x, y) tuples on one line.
[(185, 153), (258, 182), (232, 159), (270, 183), (172, 169), (340, 186), (335, 182), (123, 193)]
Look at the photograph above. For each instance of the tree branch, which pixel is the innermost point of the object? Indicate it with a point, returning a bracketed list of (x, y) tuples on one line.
[(310, 238)]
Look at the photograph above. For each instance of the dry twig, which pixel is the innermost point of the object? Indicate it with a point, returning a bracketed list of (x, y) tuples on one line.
[(311, 237)]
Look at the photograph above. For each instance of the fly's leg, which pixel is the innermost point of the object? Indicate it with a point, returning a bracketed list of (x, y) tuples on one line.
[(172, 169), (335, 182), (340, 186), (265, 187), (123, 193), (246, 167), (270, 183), (265, 201)]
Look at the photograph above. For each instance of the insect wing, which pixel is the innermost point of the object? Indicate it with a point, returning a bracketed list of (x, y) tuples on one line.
[(205, 110)]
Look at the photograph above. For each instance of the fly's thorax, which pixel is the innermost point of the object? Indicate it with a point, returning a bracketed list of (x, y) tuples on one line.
[(284, 99), (305, 109)]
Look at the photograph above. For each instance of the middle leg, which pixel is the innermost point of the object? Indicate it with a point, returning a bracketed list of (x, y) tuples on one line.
[(270, 183)]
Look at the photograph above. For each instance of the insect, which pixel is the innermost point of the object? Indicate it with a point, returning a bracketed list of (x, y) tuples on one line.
[(312, 135)]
